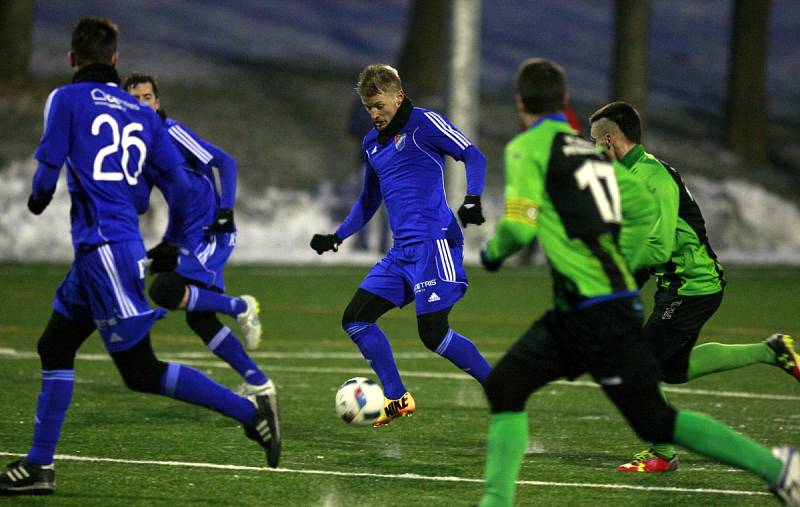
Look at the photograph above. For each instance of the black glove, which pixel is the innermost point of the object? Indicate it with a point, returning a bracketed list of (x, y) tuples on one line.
[(222, 223), (324, 242), (489, 265), (471, 212), (164, 256), (37, 204)]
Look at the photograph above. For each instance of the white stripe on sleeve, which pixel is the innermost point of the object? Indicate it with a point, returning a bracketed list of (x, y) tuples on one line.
[(190, 144), (454, 135)]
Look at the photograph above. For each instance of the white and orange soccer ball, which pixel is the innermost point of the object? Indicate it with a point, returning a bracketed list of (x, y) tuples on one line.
[(359, 401)]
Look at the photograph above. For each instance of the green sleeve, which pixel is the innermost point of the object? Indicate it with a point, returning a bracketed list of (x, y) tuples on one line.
[(639, 216), (660, 241), (523, 196)]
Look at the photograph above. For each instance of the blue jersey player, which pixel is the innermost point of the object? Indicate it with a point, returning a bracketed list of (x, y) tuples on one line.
[(404, 159), (190, 278), (105, 137)]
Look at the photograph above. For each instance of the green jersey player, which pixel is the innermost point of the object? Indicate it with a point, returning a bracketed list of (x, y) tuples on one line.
[(689, 278), (592, 218)]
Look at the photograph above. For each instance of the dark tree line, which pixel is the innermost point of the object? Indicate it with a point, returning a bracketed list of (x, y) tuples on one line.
[(422, 60), (746, 118)]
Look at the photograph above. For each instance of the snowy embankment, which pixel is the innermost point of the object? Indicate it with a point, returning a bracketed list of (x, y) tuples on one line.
[(746, 224)]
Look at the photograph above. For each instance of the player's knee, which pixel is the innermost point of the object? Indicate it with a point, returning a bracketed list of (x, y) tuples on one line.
[(348, 317), (55, 354), (59, 343), (365, 307), (168, 290), (502, 395), (433, 327)]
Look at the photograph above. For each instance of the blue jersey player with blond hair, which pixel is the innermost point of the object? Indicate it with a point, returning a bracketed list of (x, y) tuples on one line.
[(105, 136), (404, 159)]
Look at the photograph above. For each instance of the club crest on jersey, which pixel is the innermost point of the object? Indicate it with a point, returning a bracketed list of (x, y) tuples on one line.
[(399, 141)]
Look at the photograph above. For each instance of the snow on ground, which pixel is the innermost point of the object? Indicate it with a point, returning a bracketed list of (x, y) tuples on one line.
[(745, 223)]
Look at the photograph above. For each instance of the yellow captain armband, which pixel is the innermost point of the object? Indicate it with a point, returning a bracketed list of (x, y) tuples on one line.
[(522, 210)]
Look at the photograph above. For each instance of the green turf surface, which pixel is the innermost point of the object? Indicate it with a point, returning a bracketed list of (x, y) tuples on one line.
[(163, 452)]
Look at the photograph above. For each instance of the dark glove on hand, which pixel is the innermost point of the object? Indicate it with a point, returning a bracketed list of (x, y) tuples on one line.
[(490, 265), (324, 242), (165, 257), (37, 204), (222, 223), (471, 212)]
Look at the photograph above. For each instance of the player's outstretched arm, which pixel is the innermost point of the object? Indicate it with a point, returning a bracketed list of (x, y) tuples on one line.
[(364, 208)]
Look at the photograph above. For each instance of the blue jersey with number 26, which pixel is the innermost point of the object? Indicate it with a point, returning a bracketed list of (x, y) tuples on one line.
[(104, 136)]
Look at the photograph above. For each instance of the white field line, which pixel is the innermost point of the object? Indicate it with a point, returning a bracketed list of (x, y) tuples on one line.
[(416, 477), (186, 358)]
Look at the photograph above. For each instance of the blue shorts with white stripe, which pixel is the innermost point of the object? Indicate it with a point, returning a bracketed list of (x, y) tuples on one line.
[(205, 262), (431, 273), (105, 289)]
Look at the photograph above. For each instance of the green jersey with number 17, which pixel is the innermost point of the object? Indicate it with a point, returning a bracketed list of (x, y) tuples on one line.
[(592, 217)]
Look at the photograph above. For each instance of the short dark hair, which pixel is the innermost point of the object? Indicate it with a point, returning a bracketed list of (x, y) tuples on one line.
[(94, 40), (378, 78), (137, 79), (541, 86), (625, 116)]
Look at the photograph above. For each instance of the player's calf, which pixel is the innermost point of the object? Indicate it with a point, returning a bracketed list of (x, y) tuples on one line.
[(140, 369)]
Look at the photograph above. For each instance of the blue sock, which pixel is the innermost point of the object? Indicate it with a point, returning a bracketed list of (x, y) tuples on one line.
[(205, 300), (375, 348), (54, 399), (464, 354), (187, 384), (228, 348)]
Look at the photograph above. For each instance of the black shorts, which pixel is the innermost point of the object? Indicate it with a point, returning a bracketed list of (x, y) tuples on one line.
[(673, 328), (604, 340)]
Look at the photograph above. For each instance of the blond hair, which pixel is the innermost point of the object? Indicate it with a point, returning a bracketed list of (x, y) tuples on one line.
[(378, 78)]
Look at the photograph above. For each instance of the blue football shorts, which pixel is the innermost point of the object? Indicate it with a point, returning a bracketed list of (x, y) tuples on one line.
[(430, 273), (105, 289), (205, 262)]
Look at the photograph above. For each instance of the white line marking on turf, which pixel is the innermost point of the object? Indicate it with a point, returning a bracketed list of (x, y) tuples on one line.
[(416, 477), (8, 353)]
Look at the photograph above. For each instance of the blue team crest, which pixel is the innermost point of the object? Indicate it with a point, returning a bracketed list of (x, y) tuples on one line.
[(399, 141)]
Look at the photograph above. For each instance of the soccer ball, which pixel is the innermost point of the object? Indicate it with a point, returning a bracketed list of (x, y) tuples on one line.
[(359, 401)]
